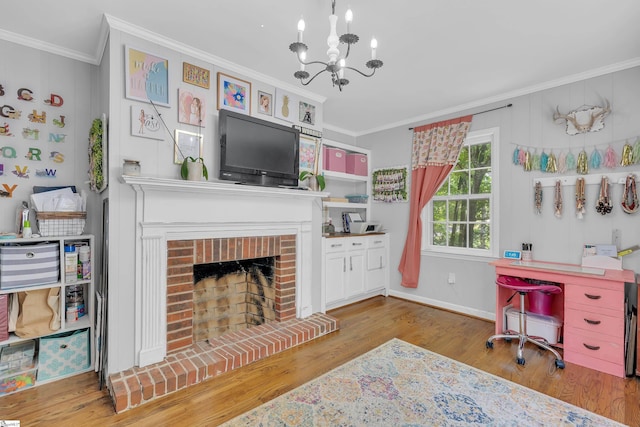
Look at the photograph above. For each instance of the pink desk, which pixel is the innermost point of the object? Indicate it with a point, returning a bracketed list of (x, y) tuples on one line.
[(591, 308)]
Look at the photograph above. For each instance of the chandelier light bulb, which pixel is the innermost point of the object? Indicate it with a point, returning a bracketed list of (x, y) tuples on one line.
[(348, 17), (342, 63), (374, 46), (300, 29)]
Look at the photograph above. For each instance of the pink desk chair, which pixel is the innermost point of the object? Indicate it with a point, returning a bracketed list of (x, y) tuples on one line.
[(524, 288)]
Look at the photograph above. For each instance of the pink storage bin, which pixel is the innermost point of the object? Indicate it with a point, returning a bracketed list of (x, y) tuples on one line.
[(335, 159), (357, 164)]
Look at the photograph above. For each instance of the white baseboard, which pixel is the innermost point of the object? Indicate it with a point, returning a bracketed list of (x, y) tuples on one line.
[(444, 305)]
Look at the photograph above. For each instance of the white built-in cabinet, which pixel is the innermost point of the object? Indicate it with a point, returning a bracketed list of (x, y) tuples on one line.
[(354, 268)]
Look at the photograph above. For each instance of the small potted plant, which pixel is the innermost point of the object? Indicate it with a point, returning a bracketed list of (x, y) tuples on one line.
[(316, 182), (193, 169)]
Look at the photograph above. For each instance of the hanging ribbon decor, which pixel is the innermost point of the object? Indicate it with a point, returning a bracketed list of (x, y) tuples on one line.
[(580, 198), (603, 206), (636, 151), (535, 161), (571, 161), (610, 158), (538, 197), (595, 159), (522, 157), (552, 163), (583, 166), (627, 155), (630, 195), (544, 160), (516, 156), (562, 162), (557, 200), (527, 161)]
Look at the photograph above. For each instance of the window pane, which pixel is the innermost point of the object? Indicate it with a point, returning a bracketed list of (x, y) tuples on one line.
[(439, 234), (459, 182), (458, 210), (479, 210), (463, 159), (458, 235), (480, 155), (439, 210), (480, 236), (444, 188), (481, 181)]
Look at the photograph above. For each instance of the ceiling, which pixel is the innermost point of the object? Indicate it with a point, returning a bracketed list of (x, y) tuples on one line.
[(439, 56)]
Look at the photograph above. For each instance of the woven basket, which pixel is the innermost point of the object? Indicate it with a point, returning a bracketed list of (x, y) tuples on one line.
[(60, 223)]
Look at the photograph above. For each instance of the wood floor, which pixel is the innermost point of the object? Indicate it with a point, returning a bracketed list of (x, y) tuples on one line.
[(78, 402)]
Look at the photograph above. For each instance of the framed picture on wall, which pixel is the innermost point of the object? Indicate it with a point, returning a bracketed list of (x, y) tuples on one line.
[(265, 103), (146, 77), (309, 147), (196, 76), (307, 113), (286, 105), (191, 108), (234, 94), (145, 123), (188, 144)]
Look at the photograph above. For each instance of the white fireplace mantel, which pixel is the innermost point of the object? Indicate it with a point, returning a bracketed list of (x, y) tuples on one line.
[(170, 209)]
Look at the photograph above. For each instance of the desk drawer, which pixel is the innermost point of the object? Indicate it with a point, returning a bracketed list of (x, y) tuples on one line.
[(593, 345), (591, 322), (594, 297)]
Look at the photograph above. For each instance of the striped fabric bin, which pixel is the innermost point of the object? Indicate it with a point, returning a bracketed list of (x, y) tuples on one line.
[(29, 265)]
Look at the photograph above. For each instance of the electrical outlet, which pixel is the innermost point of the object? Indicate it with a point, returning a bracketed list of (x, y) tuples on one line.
[(452, 278)]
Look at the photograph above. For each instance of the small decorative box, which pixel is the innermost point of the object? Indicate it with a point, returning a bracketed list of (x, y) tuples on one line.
[(64, 354)]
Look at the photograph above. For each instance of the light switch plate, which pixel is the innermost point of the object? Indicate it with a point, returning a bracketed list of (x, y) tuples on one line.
[(512, 254)]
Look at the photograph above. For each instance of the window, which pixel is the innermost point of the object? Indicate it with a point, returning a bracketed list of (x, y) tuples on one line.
[(462, 216)]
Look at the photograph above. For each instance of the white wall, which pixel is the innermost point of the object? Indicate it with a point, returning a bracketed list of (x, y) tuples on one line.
[(529, 122)]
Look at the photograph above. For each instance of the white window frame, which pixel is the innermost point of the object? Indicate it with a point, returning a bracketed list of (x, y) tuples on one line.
[(476, 137)]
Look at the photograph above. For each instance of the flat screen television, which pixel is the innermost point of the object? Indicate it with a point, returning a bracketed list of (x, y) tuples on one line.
[(258, 152)]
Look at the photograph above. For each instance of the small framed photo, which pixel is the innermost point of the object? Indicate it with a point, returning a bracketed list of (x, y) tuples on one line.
[(286, 104), (234, 94), (265, 103), (309, 147), (145, 123), (195, 75), (146, 77), (192, 108), (307, 113), (188, 144)]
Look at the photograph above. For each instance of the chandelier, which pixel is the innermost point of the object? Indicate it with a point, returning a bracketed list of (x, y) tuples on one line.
[(335, 65)]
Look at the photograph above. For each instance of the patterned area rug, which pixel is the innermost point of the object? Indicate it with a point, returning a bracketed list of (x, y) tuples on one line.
[(400, 384)]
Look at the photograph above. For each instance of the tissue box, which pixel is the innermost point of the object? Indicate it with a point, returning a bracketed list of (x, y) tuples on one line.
[(29, 265)]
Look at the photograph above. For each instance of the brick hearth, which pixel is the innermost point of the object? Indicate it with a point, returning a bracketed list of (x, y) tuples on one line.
[(205, 360)]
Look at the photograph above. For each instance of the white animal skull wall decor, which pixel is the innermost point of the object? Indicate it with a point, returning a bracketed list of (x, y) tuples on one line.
[(587, 118)]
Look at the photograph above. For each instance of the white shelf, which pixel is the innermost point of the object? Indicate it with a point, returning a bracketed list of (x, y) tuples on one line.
[(345, 176), (346, 205)]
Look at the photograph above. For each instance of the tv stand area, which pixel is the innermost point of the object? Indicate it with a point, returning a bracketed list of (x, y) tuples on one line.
[(591, 308)]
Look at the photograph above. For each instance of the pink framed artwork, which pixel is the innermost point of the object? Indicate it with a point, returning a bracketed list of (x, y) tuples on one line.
[(191, 108)]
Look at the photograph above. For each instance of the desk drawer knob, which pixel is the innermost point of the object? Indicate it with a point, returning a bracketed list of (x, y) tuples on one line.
[(592, 296), (591, 347), (592, 322)]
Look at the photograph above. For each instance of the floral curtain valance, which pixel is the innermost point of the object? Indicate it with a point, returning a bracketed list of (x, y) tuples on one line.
[(439, 144)]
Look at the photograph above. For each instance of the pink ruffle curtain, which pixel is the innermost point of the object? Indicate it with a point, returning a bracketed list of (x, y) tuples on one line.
[(435, 152)]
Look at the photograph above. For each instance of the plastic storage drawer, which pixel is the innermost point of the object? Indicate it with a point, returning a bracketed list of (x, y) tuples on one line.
[(64, 354), (538, 325)]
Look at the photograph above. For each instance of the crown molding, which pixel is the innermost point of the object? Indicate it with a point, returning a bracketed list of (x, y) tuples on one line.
[(150, 36), (47, 47), (596, 72)]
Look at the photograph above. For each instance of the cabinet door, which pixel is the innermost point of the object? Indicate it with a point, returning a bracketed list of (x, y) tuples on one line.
[(335, 274), (376, 268), (355, 272)]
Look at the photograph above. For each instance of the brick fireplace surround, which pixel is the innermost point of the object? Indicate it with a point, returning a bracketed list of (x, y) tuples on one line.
[(188, 362)]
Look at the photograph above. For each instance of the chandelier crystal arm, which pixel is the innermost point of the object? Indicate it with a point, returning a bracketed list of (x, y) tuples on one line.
[(311, 79), (360, 72)]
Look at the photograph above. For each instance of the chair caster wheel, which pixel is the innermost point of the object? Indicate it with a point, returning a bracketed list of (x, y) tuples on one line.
[(507, 340), (489, 344), (520, 361), (559, 364)]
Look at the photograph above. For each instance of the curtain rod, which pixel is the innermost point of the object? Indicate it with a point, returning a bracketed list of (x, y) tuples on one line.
[(486, 111)]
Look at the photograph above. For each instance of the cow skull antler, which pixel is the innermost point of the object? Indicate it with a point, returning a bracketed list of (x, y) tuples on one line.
[(595, 115)]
